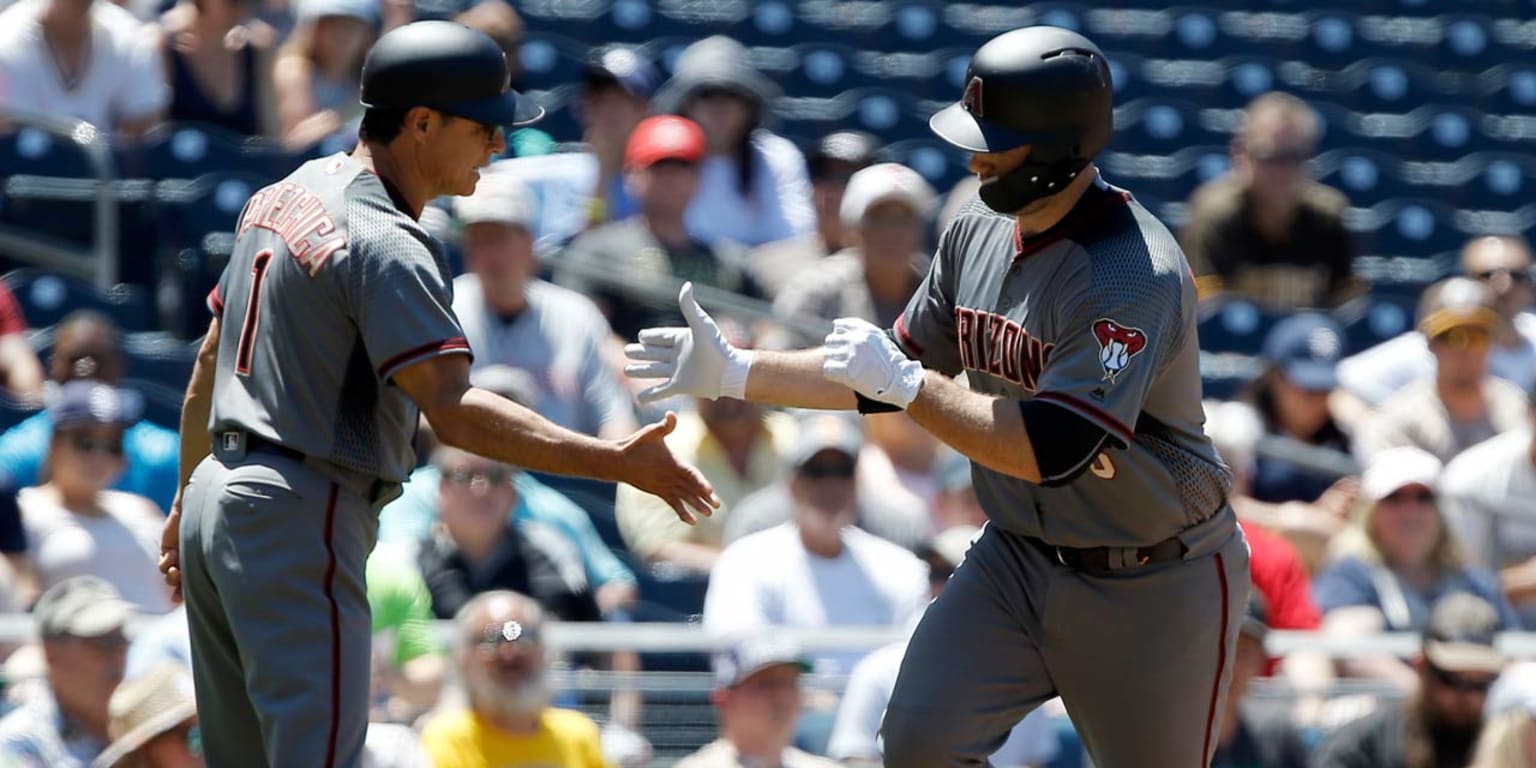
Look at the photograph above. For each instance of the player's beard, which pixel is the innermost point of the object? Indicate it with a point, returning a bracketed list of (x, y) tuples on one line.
[(526, 698)]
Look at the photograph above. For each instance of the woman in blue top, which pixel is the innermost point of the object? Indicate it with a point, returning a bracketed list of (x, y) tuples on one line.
[(1402, 557)]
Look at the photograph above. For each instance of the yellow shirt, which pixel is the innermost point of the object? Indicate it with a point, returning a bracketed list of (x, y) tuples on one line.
[(566, 739)]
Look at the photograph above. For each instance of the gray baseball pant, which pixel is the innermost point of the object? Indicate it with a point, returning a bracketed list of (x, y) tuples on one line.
[(1142, 660), (273, 552)]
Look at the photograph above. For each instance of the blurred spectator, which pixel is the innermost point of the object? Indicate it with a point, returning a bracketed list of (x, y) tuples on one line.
[(1441, 719), (1461, 405), (219, 58), (153, 722), (86, 346), (506, 679), (652, 250), (577, 190), (740, 448), (160, 640), (408, 661), (1503, 264), (1399, 561), (73, 524), (1248, 738), (1280, 579), (753, 188), (81, 60), (317, 75), (955, 502), (824, 466), (835, 159), (855, 737), (407, 522), (21, 374), (885, 212), (758, 700), (1507, 741), (475, 550), (1301, 356), (900, 464), (1488, 491), (80, 626), (513, 318), (817, 570), (1266, 230)]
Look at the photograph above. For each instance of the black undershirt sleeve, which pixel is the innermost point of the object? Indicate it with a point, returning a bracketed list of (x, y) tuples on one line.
[(1065, 443)]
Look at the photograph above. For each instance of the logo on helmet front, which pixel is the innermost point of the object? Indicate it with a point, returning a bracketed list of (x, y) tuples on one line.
[(971, 101), (1117, 345)]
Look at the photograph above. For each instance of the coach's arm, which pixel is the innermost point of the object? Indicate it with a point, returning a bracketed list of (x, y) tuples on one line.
[(487, 424), (196, 444)]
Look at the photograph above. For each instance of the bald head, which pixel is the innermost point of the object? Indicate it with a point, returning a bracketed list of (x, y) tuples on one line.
[(495, 608), (1503, 263), (87, 346)]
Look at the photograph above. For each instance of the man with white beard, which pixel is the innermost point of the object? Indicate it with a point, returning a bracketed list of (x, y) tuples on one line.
[(509, 721)]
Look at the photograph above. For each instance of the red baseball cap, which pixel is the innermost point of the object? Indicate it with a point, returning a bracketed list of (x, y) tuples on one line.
[(664, 137)]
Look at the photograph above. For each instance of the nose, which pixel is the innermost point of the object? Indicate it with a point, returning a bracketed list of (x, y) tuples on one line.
[(498, 141)]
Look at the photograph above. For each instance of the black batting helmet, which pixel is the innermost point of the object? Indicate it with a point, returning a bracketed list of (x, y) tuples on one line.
[(448, 67), (1047, 87)]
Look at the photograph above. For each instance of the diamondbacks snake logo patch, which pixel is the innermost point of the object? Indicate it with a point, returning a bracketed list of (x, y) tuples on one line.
[(1118, 344)]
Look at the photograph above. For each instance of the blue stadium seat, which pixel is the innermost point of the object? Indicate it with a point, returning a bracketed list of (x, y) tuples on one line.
[(1125, 73), (915, 26), (1250, 76), (1375, 318), (968, 25), (1161, 126), (1508, 89), (1337, 126), (1232, 324), (770, 22), (47, 297), (159, 366), (1497, 181), (1415, 227), (1393, 85), (1332, 40), (1449, 131), (941, 164), (1366, 176), (888, 113), (47, 186), (189, 150), (36, 152), (551, 60), (1468, 44), (819, 69), (576, 18), (1197, 34), (921, 74)]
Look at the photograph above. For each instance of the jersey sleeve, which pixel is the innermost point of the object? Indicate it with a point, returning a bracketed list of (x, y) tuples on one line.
[(12, 320), (1113, 336), (925, 330), (402, 301)]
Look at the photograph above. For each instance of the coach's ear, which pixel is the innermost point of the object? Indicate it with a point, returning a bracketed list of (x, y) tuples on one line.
[(419, 121)]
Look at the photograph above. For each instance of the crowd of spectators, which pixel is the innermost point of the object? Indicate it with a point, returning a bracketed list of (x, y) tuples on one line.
[(1390, 489)]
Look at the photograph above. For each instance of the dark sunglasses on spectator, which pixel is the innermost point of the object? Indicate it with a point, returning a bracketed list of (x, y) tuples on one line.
[(1406, 495), (823, 469), (1457, 682), (466, 477), (86, 443), (1464, 338), (1515, 275), (507, 633), (1279, 156)]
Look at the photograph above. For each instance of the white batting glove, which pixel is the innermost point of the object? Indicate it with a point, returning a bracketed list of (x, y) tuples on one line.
[(696, 360), (863, 358)]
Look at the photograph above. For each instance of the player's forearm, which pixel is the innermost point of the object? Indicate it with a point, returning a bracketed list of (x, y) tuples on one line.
[(794, 380), (987, 430), (497, 428), (196, 442)]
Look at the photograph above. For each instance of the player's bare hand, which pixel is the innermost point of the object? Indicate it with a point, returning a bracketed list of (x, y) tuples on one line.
[(696, 360), (650, 466), (170, 550), (863, 358)]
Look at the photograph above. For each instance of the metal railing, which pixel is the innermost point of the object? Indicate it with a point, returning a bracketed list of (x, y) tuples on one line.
[(100, 262)]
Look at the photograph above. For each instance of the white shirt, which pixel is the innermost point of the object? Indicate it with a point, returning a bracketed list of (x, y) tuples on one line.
[(121, 546), (856, 734), (778, 208), (123, 78), (769, 579), (558, 338), (1491, 493), (1380, 372), (563, 183)]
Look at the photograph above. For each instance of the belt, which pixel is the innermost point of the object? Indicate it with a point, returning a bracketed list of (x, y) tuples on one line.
[(256, 444), (374, 490), (1111, 560)]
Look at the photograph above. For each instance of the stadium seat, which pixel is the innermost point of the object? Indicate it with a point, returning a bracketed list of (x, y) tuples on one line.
[(1508, 89), (1161, 126), (1496, 181), (941, 164), (1392, 85), (48, 185), (888, 113), (1468, 44), (1233, 324), (818, 69), (1332, 41), (189, 150), (551, 60), (159, 366), (915, 26), (1372, 319), (1365, 175), (1446, 132), (1414, 227), (47, 297)]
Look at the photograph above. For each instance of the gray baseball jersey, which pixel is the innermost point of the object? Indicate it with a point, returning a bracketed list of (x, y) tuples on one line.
[(332, 288), (1096, 316)]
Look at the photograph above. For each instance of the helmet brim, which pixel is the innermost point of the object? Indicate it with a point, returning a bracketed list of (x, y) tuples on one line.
[(957, 126), (507, 109)]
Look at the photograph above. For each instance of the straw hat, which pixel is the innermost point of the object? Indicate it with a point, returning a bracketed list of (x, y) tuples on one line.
[(145, 707)]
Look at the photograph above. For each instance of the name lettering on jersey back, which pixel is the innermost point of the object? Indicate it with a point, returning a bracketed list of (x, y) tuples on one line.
[(299, 218), (993, 344)]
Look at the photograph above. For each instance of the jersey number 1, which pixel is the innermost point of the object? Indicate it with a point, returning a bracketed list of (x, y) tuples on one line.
[(244, 351)]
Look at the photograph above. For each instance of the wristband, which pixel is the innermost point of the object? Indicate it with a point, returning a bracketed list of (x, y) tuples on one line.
[(868, 405)]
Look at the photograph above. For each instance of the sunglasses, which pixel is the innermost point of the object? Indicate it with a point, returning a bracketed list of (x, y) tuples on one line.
[(85, 443), (1286, 157), (1463, 338), (467, 477), (1515, 275), (821, 470), (1460, 683), (1404, 497)]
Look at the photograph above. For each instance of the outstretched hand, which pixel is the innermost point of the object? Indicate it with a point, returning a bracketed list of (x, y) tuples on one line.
[(650, 466), (694, 360)]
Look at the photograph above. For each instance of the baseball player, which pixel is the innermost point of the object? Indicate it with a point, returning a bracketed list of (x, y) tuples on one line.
[(1112, 572), (341, 332)]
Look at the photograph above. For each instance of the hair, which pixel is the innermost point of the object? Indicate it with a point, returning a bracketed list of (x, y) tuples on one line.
[(1502, 742), (500, 21), (467, 623), (1357, 541), (1285, 106), (381, 125)]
